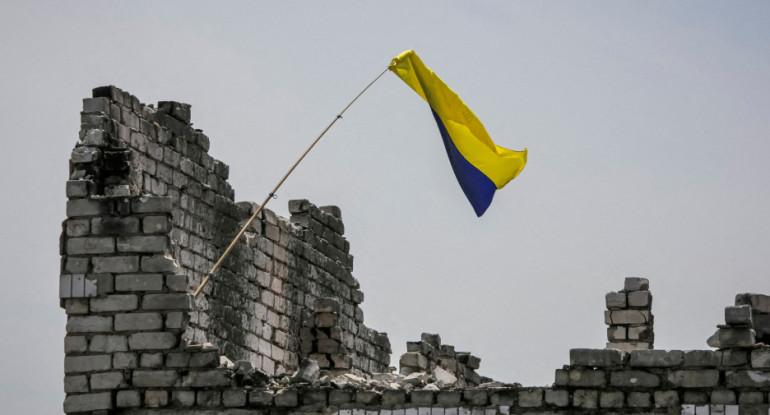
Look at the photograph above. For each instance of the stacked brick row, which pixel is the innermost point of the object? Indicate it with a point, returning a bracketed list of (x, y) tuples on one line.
[(629, 316), (257, 303), (596, 381), (428, 354)]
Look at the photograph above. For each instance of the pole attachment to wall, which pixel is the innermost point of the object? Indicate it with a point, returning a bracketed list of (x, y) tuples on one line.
[(275, 189)]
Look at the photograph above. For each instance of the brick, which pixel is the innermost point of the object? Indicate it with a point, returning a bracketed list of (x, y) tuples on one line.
[(151, 360), (701, 358), (627, 317), (156, 224), (124, 360), (152, 204), (93, 363), (206, 378), (178, 283), (108, 344), (115, 264), (139, 282), (75, 344), (77, 227), (364, 397), (88, 402), (128, 399), (265, 397), (178, 359), (723, 397), (615, 301), (155, 398), (182, 398), (138, 321), (76, 265), (389, 398), (640, 299), (594, 357), (326, 305), (634, 379), (748, 379), (424, 397), (114, 303), (154, 378), (558, 398), (530, 398), (704, 378), (88, 207), (114, 225), (167, 302), (736, 337), (107, 380), (77, 188), (587, 378), (760, 357), (145, 244), (160, 263), (204, 359), (76, 384), (312, 397), (152, 341), (759, 303), (234, 397), (611, 399), (656, 358), (639, 399), (89, 324), (89, 246), (413, 359), (666, 399), (286, 398)]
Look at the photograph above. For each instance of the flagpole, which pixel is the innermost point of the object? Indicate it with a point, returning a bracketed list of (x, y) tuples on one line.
[(275, 189)]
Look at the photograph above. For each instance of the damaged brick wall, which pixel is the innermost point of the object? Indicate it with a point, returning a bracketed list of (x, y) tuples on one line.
[(149, 211)]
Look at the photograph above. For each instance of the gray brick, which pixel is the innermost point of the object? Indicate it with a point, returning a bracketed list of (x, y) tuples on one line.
[(77, 188), (107, 380), (209, 398), (177, 283), (701, 358), (115, 264), (124, 360), (178, 359), (760, 357), (146, 244), (723, 397), (747, 379), (234, 397), (656, 358), (177, 320), (263, 398), (77, 227), (88, 324), (76, 384), (88, 402), (639, 399), (101, 105), (634, 379), (155, 378), (152, 341), (595, 357), (152, 204), (530, 398), (94, 363), (207, 378), (88, 207), (156, 224), (182, 398), (627, 316), (160, 263), (419, 397), (75, 265), (139, 282), (114, 225), (151, 360), (128, 399), (287, 398), (759, 303), (737, 337), (108, 344), (705, 378), (167, 302), (611, 399), (138, 321), (155, 398), (92, 245), (666, 399), (587, 378), (114, 303), (615, 300), (557, 397), (639, 299), (75, 344)]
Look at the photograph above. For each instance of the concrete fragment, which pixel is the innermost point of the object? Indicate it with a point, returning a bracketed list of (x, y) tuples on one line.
[(308, 372)]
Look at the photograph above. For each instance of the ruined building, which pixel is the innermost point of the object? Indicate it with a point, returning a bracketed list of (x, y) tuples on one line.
[(279, 330)]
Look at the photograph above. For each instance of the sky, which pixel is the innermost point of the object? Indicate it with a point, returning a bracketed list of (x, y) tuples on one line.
[(646, 123)]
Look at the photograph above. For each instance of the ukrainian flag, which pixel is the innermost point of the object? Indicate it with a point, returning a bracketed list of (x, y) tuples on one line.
[(480, 166)]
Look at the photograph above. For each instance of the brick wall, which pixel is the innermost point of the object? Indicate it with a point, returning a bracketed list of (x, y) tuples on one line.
[(279, 329)]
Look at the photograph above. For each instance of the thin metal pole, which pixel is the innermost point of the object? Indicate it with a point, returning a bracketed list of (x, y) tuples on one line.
[(270, 196)]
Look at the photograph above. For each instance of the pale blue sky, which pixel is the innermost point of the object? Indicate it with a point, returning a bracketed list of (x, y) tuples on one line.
[(646, 122)]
